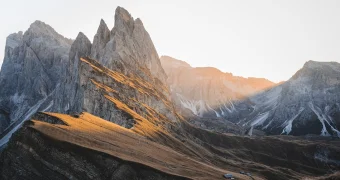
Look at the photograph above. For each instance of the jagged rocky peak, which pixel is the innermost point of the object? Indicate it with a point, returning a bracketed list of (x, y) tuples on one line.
[(41, 30), (126, 47), (34, 65), (14, 40), (47, 68), (318, 71), (320, 66), (80, 47), (123, 20), (100, 40), (315, 64), (120, 68)]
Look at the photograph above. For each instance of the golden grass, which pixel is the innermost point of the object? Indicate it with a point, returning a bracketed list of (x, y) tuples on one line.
[(143, 126), (104, 87), (93, 66), (134, 82), (148, 116), (92, 132), (149, 123)]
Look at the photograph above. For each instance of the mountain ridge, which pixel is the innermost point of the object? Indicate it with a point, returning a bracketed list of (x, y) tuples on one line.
[(310, 96), (112, 115), (185, 64), (201, 89)]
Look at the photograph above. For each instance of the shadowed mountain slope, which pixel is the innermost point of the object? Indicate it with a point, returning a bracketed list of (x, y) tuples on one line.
[(60, 146), (308, 103), (88, 147)]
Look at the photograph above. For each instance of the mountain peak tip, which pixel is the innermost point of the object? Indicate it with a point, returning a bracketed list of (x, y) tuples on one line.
[(40, 24), (102, 27), (102, 22), (81, 35), (315, 64), (41, 27), (123, 14)]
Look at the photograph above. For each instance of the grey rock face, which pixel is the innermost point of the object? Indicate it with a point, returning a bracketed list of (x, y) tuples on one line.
[(100, 40), (67, 97), (42, 71), (128, 52), (308, 103), (33, 66), (128, 45)]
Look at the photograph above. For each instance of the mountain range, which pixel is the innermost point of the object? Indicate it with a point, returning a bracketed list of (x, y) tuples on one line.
[(306, 104), (112, 109), (202, 89)]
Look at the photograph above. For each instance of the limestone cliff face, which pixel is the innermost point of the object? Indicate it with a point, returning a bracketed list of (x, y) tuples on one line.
[(120, 68), (67, 97), (119, 72), (34, 65), (127, 44)]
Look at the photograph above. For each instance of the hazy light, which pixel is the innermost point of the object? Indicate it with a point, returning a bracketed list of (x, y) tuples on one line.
[(270, 39)]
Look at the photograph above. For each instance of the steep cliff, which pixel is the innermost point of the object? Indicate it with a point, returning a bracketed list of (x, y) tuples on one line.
[(34, 65), (76, 78)]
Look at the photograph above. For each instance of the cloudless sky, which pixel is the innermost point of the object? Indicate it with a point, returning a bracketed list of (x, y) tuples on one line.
[(262, 38)]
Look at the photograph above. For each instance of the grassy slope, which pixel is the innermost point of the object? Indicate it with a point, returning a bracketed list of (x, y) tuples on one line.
[(91, 132)]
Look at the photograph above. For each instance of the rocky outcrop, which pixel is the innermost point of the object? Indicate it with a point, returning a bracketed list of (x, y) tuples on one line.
[(128, 44), (34, 65), (121, 67), (100, 41), (308, 103), (68, 96), (199, 91)]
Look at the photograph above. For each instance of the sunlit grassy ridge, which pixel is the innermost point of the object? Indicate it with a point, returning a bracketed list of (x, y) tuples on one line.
[(91, 132), (142, 98), (133, 81), (151, 87)]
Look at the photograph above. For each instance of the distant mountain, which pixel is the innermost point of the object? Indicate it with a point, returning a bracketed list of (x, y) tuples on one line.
[(201, 90), (308, 103)]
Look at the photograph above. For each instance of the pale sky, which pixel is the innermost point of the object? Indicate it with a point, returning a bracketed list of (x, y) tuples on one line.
[(262, 38)]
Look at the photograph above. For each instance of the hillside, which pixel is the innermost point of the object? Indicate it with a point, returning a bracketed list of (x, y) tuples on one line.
[(58, 146), (88, 147)]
